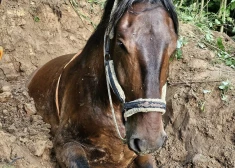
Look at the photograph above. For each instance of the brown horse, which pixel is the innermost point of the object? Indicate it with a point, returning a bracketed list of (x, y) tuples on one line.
[(128, 51)]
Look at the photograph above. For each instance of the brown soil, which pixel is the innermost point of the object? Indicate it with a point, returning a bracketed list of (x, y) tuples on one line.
[(200, 126)]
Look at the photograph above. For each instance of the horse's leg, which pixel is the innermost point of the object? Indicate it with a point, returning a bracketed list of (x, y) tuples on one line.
[(146, 161), (71, 155)]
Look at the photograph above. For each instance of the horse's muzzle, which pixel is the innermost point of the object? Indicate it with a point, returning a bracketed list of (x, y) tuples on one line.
[(143, 146)]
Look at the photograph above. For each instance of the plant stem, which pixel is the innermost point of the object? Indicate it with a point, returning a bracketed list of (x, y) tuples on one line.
[(220, 9), (181, 2), (201, 9), (224, 15)]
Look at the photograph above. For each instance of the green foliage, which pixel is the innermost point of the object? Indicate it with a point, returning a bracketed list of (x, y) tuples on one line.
[(223, 55), (180, 43), (225, 86), (206, 21), (36, 19), (220, 44), (211, 14), (226, 58)]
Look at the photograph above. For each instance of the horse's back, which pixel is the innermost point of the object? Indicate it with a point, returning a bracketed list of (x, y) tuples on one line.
[(42, 88)]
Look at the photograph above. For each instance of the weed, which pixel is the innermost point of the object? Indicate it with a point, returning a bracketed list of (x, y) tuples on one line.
[(180, 43), (223, 55), (225, 86), (36, 19)]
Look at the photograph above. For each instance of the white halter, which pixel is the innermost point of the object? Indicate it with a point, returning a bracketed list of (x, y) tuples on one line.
[(133, 107)]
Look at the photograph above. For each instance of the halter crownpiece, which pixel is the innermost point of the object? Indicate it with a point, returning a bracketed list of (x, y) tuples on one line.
[(132, 107)]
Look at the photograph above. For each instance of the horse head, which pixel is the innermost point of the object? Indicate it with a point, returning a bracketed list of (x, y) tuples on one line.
[(144, 36)]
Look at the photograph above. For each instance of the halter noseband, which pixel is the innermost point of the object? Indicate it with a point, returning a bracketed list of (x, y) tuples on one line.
[(132, 107)]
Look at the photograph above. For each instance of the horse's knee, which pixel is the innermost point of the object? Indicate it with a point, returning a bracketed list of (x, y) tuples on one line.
[(71, 155)]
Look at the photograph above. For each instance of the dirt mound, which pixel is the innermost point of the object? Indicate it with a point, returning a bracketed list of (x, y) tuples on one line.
[(199, 124), (23, 134), (32, 33)]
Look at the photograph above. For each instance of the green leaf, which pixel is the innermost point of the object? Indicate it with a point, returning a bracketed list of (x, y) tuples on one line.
[(225, 83), (233, 30), (217, 22), (228, 62), (36, 19), (179, 43), (220, 43), (222, 87), (201, 45), (209, 37), (179, 53), (224, 97), (210, 24), (232, 5)]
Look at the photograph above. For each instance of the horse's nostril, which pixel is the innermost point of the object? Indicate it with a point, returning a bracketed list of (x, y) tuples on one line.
[(137, 145)]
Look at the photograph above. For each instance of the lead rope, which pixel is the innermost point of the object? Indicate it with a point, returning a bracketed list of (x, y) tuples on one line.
[(58, 84), (109, 33), (109, 94), (113, 112)]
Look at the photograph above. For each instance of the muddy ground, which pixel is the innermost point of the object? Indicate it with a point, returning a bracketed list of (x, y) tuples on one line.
[(200, 125)]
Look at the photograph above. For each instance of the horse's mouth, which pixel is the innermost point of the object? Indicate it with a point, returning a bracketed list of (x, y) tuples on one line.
[(151, 151)]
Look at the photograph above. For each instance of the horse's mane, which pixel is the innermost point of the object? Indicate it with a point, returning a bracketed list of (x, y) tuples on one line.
[(123, 5)]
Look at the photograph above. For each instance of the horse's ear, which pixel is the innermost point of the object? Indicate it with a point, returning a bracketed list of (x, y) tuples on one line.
[(171, 10), (107, 10)]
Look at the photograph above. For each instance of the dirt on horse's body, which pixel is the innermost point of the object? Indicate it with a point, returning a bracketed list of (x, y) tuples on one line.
[(83, 127)]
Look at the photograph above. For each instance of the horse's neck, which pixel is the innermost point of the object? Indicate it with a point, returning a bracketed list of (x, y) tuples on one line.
[(89, 65), (87, 78)]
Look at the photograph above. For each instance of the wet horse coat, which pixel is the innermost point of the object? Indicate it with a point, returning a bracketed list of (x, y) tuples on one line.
[(144, 37)]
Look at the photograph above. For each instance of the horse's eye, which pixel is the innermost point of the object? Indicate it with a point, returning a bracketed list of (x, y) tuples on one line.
[(121, 45)]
